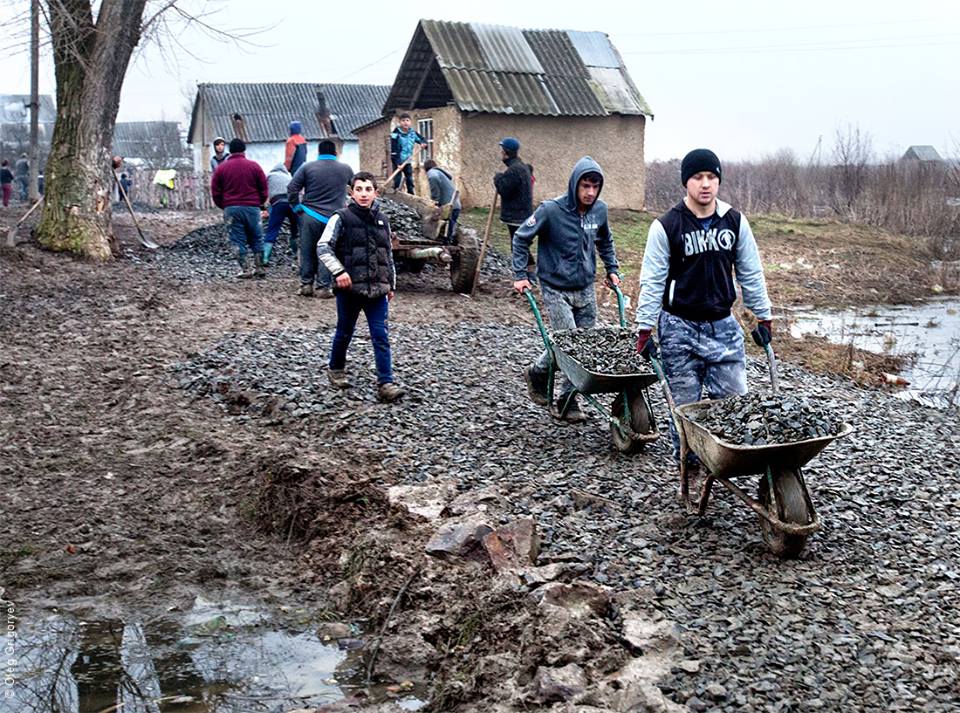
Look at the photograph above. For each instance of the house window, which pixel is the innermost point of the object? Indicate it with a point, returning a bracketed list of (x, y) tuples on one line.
[(425, 129)]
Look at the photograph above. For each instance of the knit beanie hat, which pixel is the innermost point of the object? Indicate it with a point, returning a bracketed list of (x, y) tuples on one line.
[(696, 161), (237, 146), (296, 128)]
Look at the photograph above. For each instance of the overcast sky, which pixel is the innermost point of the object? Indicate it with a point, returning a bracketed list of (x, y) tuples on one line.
[(744, 77)]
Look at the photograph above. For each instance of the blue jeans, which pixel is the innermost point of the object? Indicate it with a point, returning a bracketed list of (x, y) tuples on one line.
[(311, 268), (244, 223), (452, 225), (279, 212), (698, 357), (566, 309), (349, 306)]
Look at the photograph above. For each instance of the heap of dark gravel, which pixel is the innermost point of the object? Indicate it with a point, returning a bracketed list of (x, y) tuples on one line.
[(207, 254), (603, 350), (404, 220), (864, 621), (758, 419)]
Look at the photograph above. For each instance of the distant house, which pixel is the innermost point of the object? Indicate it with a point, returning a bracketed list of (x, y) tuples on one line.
[(15, 124), (260, 114), (150, 144), (563, 93), (924, 154)]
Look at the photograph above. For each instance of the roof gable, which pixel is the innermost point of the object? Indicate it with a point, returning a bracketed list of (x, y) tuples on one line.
[(507, 70), (922, 153), (262, 112)]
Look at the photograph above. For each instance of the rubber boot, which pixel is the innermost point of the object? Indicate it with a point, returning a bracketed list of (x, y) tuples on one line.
[(267, 249), (260, 271), (246, 271)]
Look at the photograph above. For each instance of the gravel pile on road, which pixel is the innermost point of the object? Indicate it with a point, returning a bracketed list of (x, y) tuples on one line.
[(404, 220), (865, 620), (604, 350), (207, 254), (759, 419)]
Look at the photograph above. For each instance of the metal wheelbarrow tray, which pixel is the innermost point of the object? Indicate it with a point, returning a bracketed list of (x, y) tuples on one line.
[(591, 382), (787, 514)]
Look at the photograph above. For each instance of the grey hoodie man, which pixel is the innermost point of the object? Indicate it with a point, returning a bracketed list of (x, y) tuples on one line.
[(571, 229)]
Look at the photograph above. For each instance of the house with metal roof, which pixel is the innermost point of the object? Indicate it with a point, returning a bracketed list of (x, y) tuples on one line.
[(150, 144), (260, 114), (563, 93), (15, 124), (924, 154)]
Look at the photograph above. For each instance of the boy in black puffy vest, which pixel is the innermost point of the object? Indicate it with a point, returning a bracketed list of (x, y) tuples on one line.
[(355, 247)]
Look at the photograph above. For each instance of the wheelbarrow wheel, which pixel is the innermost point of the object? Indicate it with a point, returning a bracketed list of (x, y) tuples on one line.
[(787, 503), (640, 422)]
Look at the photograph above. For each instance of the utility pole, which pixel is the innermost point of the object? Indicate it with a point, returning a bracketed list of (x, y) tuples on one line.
[(34, 97)]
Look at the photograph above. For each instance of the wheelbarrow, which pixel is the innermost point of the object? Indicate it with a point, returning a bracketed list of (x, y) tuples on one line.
[(783, 503), (631, 420)]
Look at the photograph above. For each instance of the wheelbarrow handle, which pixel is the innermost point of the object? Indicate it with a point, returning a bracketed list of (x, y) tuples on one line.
[(528, 293), (621, 305), (684, 447)]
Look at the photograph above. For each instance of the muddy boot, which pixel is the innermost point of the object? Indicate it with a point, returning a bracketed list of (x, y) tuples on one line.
[(573, 414), (338, 377), (536, 386), (246, 268), (325, 293), (267, 250), (389, 392), (260, 270), (305, 290)]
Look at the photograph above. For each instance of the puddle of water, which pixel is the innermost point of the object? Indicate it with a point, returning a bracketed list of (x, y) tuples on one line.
[(930, 332), (216, 658)]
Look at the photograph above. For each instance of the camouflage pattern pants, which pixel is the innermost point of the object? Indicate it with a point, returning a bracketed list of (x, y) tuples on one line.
[(566, 309), (701, 357)]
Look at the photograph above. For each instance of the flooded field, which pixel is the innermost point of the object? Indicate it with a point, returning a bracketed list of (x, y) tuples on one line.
[(928, 333)]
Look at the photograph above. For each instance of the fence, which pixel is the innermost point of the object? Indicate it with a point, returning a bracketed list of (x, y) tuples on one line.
[(191, 191)]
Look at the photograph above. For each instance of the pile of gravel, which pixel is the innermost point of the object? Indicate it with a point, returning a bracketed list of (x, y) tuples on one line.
[(603, 350), (404, 220), (758, 419)]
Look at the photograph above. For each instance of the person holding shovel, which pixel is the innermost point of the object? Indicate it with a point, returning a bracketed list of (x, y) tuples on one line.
[(402, 141), (571, 229), (443, 192), (687, 292)]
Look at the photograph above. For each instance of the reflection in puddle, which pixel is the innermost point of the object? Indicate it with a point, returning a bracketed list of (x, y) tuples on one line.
[(929, 331), (215, 659)]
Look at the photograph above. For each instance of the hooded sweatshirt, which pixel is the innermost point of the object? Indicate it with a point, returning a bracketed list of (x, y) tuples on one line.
[(277, 181), (442, 190), (568, 242)]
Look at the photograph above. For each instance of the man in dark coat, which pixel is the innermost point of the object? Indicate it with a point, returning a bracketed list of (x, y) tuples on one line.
[(515, 187)]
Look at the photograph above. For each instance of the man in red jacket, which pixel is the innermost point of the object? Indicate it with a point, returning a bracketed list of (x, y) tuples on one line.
[(239, 187)]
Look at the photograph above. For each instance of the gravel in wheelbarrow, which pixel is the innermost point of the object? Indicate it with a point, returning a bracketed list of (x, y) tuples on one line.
[(758, 419), (602, 350)]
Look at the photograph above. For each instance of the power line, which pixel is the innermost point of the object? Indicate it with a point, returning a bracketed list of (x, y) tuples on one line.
[(367, 66), (748, 30)]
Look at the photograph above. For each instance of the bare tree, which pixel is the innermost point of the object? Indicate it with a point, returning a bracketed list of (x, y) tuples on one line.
[(852, 153)]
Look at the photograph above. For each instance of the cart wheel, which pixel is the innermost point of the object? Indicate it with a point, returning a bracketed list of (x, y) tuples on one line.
[(789, 504), (640, 422), (463, 265)]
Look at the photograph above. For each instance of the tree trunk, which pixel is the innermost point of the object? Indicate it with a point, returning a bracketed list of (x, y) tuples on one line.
[(90, 59)]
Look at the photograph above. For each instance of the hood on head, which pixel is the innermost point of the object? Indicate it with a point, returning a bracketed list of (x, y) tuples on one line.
[(281, 167), (581, 167)]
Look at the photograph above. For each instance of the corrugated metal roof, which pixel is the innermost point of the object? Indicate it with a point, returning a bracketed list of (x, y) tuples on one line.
[(594, 49), (266, 109), (505, 49), (497, 69), (923, 153), (148, 140)]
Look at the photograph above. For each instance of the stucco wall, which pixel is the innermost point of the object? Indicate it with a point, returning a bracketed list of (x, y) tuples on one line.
[(553, 146)]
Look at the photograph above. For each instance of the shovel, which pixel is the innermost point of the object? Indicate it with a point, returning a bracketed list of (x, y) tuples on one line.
[(144, 240), (395, 172), (12, 233)]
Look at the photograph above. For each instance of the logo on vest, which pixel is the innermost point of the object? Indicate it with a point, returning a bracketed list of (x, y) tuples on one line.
[(700, 241)]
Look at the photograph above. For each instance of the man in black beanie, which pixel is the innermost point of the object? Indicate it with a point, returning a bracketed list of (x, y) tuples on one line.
[(239, 187), (687, 291)]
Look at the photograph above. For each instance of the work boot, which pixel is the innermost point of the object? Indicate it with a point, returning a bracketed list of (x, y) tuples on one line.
[(389, 392), (536, 386), (325, 293), (305, 290), (573, 413), (267, 250), (260, 271), (246, 269), (338, 377)]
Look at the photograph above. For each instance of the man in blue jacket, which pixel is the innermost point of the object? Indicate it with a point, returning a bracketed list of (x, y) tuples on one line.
[(687, 291), (571, 230)]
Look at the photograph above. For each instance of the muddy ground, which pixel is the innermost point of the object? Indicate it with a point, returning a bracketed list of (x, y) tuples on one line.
[(164, 437)]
